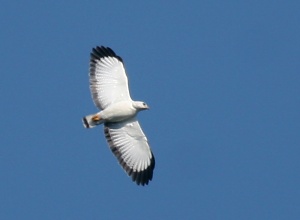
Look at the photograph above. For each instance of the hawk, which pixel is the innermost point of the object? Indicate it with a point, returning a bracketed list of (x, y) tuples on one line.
[(110, 93)]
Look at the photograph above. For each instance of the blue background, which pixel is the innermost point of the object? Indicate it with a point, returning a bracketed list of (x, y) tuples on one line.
[(222, 80)]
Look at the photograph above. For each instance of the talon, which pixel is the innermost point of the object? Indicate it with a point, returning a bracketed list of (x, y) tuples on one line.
[(96, 118)]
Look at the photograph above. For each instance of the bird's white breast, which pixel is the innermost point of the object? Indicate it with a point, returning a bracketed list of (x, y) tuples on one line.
[(118, 111)]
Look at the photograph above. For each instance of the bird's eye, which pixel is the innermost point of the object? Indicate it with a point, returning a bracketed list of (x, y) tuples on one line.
[(144, 104)]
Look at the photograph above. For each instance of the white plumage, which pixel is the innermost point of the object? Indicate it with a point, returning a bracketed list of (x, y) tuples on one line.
[(109, 88)]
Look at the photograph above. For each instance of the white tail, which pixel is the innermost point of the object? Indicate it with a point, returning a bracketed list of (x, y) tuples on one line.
[(89, 122)]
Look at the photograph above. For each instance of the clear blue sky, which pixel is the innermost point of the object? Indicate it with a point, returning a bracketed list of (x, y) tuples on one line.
[(222, 79)]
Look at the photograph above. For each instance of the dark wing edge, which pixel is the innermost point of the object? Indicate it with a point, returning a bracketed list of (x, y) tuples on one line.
[(140, 178), (100, 52)]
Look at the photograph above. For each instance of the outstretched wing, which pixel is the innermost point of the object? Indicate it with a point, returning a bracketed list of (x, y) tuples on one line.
[(129, 144), (108, 80)]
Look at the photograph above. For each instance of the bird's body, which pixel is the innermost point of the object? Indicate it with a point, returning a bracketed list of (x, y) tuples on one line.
[(116, 112), (109, 87)]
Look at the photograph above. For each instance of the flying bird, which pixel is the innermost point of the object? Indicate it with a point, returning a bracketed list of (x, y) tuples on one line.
[(110, 93)]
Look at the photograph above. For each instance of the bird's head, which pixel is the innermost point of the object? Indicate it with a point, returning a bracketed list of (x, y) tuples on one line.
[(140, 106)]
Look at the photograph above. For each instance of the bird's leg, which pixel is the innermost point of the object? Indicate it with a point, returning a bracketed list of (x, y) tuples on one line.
[(96, 118)]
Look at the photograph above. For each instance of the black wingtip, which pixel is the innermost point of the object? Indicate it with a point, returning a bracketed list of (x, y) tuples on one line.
[(144, 177), (101, 51)]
